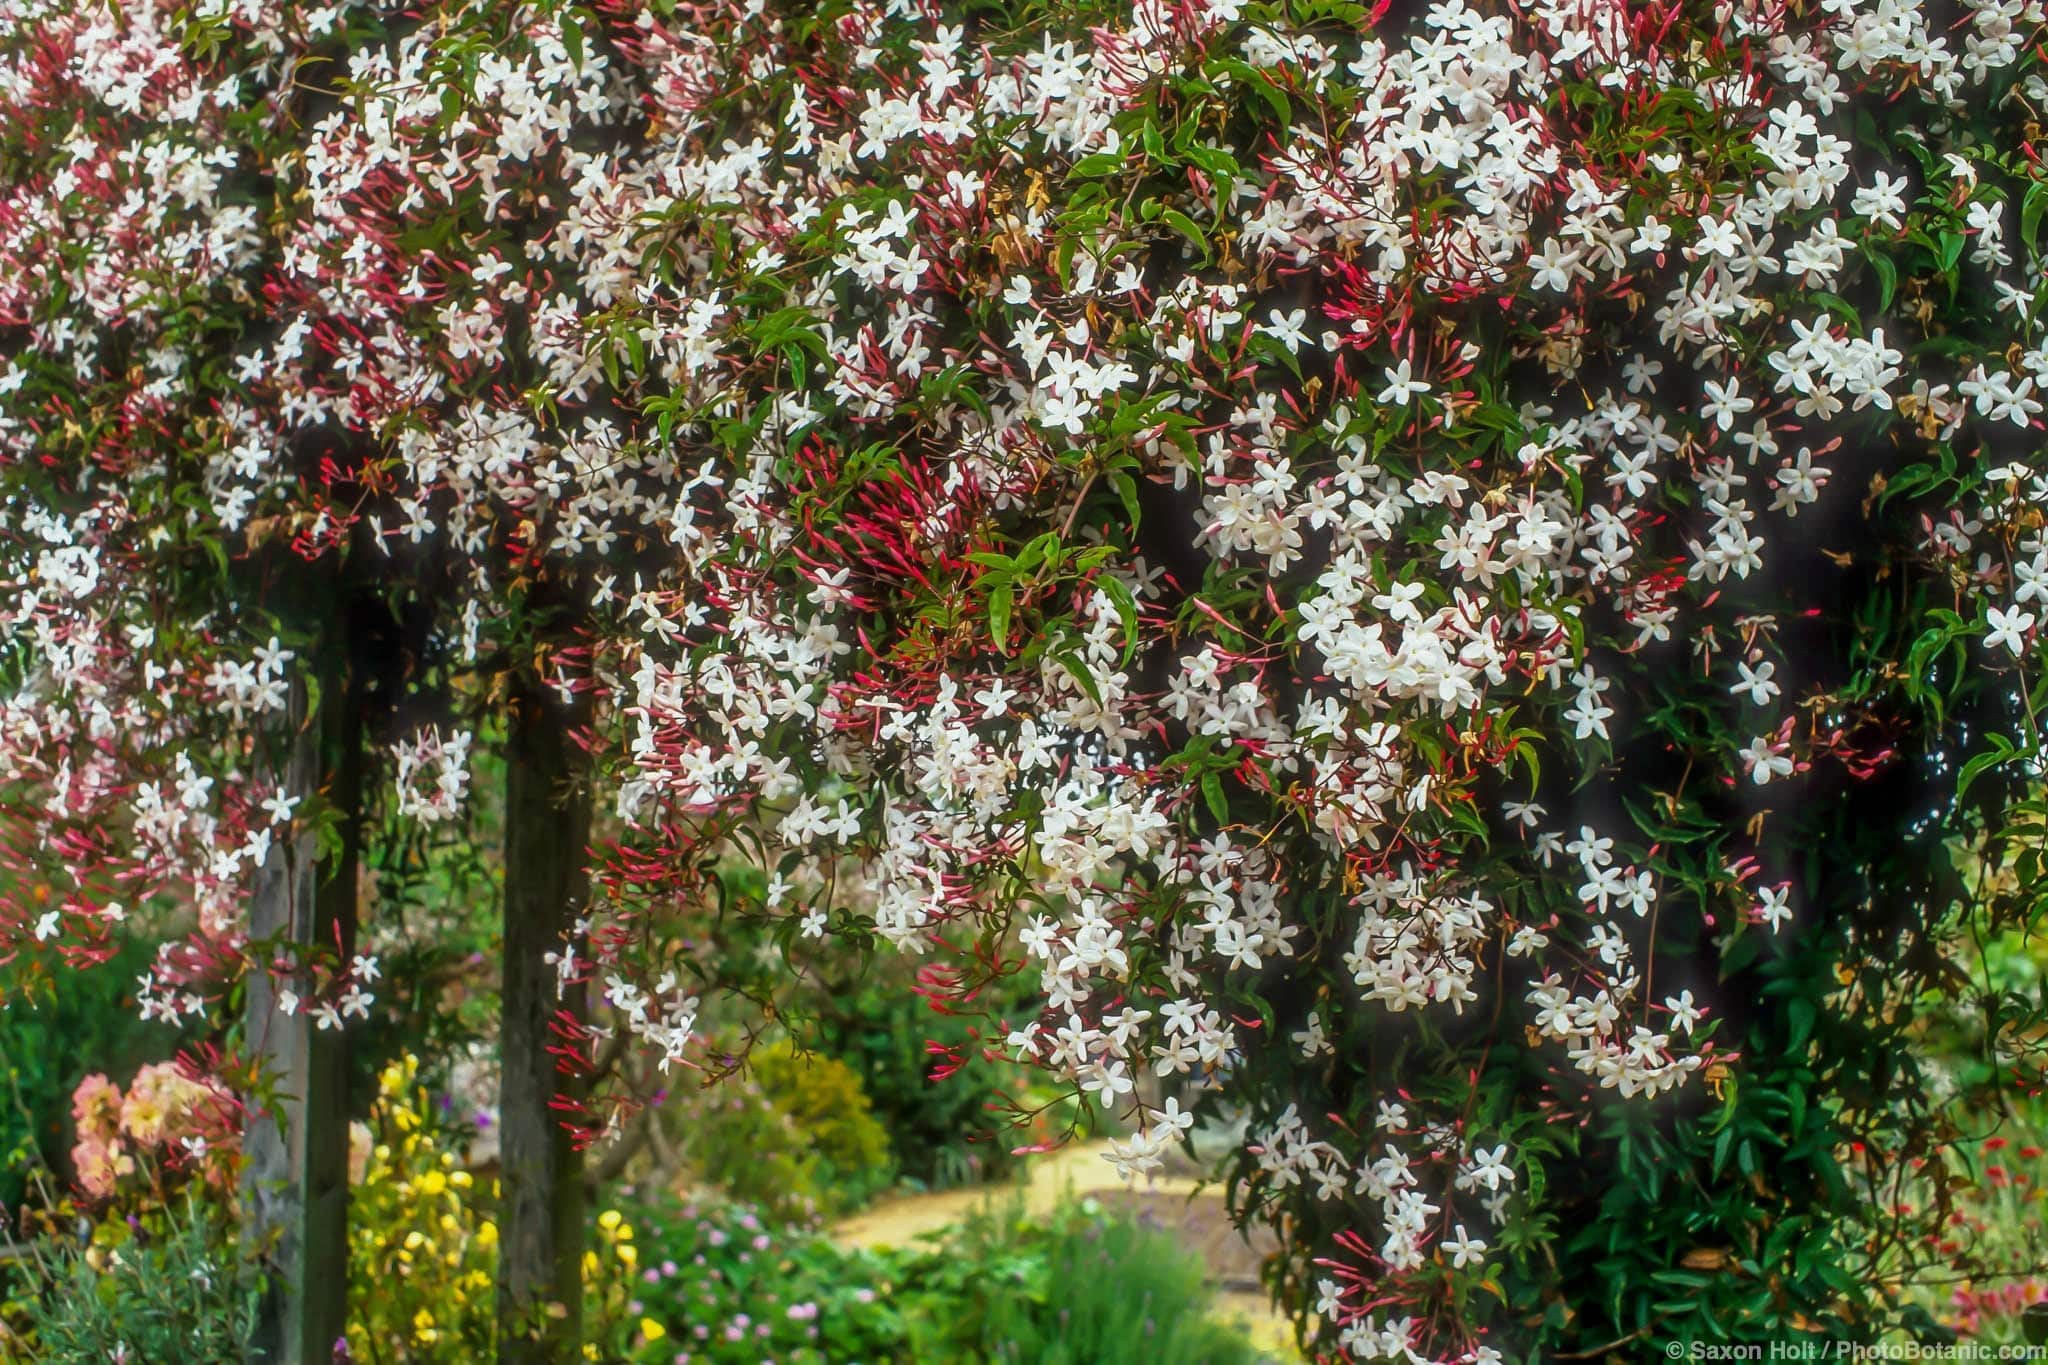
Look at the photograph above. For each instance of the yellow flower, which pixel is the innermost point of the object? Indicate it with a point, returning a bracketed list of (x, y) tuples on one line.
[(628, 1254), (609, 1219), (652, 1330), (487, 1234), (433, 1183)]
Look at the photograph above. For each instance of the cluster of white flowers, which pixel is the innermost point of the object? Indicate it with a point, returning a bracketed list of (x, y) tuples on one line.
[(432, 774)]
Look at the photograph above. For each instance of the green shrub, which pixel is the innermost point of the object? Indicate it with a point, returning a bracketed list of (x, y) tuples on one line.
[(824, 1098), (946, 1111), (166, 1285), (729, 1287), (1077, 1287), (793, 1135), (423, 1245)]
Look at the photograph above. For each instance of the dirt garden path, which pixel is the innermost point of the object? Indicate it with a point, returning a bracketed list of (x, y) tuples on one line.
[(1175, 1202)]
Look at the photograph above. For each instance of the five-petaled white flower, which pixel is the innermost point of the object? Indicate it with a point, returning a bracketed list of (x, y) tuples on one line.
[(1772, 906), (1762, 760), (1684, 1013), (994, 699), (2009, 628), (1491, 1169), (1174, 1119), (1725, 403), (1465, 1250), (1756, 681), (1402, 386)]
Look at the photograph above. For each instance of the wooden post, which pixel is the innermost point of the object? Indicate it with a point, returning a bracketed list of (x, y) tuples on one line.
[(295, 1176), (540, 1224)]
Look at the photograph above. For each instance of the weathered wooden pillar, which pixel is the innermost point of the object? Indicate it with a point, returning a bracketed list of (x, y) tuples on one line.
[(540, 1224), (295, 1176)]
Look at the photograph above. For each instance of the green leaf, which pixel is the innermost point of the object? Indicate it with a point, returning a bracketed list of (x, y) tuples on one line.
[(1275, 98), (1220, 165), (999, 603), (1212, 792), (1119, 594), (1043, 549), (1887, 279), (1800, 1015), (2031, 209), (1187, 228), (1951, 250), (1127, 490), (1837, 305), (1077, 668), (572, 39), (2002, 749)]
